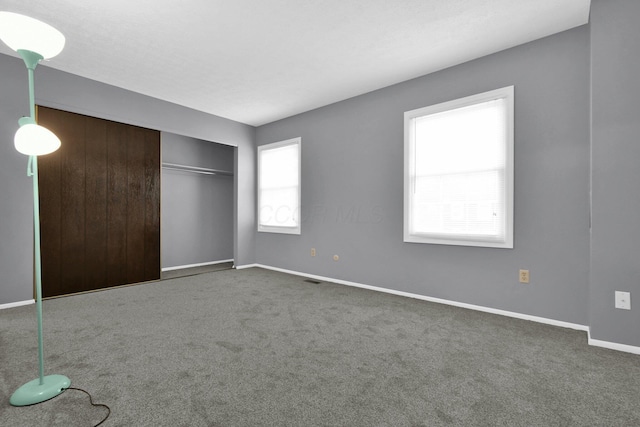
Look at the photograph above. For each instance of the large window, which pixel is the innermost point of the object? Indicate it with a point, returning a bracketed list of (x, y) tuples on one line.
[(279, 187), (458, 172)]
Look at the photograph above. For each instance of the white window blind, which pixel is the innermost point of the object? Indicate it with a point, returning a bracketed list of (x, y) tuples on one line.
[(458, 171), (279, 187)]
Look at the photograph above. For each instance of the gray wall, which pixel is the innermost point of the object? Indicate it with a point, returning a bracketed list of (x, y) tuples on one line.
[(197, 209), (352, 187), (72, 93), (615, 245), (16, 194)]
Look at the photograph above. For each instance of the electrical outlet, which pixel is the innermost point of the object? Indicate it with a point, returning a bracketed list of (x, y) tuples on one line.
[(623, 300), (313, 251), (524, 276), (336, 257)]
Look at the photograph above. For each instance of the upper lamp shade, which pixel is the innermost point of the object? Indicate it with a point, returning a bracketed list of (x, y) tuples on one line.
[(21, 32), (34, 140)]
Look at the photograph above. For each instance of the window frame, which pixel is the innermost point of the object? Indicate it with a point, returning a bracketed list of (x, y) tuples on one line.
[(271, 228), (506, 93)]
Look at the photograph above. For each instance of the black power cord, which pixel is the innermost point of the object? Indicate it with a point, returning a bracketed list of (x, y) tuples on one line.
[(93, 404)]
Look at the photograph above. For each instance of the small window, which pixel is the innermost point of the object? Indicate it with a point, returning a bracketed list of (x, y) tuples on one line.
[(279, 187), (458, 172)]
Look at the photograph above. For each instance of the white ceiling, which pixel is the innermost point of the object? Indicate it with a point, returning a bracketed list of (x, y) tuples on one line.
[(257, 61)]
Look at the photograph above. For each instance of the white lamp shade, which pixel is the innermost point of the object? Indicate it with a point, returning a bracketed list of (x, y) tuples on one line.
[(22, 32), (35, 140)]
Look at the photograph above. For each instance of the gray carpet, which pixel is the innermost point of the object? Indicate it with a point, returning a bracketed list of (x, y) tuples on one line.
[(261, 348)]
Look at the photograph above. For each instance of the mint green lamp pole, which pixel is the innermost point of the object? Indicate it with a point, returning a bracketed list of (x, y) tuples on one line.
[(34, 41)]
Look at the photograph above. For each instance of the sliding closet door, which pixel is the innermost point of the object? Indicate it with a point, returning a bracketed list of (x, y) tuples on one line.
[(99, 204)]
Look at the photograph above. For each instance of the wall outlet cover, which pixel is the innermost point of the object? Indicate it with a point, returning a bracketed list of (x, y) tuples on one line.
[(623, 300)]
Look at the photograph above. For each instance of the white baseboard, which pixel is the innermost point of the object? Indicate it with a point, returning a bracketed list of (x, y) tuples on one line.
[(242, 267), (436, 300), (180, 267), (553, 322), (614, 346), (17, 304)]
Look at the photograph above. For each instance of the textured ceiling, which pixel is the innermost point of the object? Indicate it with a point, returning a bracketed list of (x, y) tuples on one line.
[(257, 61)]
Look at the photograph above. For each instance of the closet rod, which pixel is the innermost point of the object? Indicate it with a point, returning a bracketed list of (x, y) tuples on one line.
[(195, 169)]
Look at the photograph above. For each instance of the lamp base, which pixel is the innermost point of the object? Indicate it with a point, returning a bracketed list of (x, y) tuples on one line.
[(33, 392)]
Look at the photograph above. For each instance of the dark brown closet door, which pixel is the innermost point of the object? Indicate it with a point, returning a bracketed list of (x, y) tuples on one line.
[(99, 204)]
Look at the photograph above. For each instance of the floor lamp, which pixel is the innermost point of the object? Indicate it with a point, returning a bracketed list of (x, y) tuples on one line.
[(34, 41)]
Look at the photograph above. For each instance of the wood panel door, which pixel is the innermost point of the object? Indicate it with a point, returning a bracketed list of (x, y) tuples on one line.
[(99, 204)]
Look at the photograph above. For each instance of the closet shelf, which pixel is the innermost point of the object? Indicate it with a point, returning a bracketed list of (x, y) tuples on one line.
[(195, 169)]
